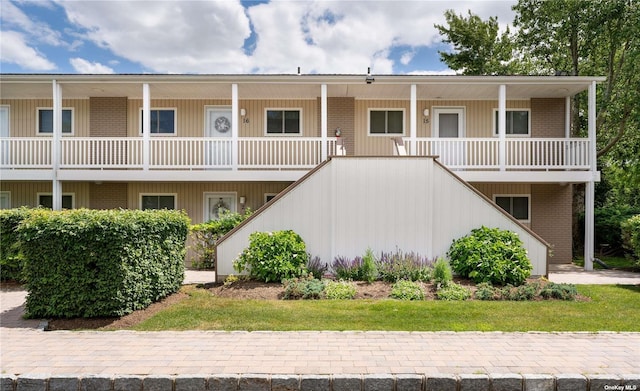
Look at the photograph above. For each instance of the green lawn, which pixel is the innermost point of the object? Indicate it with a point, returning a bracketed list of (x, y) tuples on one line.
[(612, 308)]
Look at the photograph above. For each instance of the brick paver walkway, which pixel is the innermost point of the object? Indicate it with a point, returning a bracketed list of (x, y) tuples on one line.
[(24, 349)]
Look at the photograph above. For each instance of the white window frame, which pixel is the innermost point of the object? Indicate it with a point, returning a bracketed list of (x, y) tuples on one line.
[(8, 109), (175, 121), (73, 121), (527, 196), (267, 195), (386, 133), (217, 194), (174, 195), (283, 134), (5, 195), (495, 124), (72, 195)]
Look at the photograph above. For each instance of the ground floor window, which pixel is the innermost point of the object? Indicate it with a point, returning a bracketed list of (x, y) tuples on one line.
[(517, 206), (157, 201), (269, 196), (46, 200), (5, 200)]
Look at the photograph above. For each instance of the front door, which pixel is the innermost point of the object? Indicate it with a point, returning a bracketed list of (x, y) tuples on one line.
[(216, 203), (448, 125), (218, 131)]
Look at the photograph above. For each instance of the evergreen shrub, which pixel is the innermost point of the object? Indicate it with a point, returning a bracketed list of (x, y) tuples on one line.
[(90, 263), (490, 255), (273, 256), (11, 258)]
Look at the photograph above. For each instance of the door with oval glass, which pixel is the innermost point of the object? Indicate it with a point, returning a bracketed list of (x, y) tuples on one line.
[(215, 204), (218, 132), (448, 126)]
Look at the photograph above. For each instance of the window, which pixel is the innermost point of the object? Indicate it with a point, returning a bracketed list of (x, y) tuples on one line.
[(5, 200), (269, 196), (157, 201), (45, 121), (516, 206), (163, 121), (46, 200), (517, 122), (383, 122), (283, 121)]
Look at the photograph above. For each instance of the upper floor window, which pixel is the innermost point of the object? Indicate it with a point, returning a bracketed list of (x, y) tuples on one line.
[(45, 121), (516, 206), (157, 201), (46, 200), (382, 122), (163, 121), (284, 121), (517, 122)]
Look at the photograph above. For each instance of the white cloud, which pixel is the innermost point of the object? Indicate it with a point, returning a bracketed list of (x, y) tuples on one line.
[(319, 36), (13, 17), (83, 66), (166, 36), (15, 50)]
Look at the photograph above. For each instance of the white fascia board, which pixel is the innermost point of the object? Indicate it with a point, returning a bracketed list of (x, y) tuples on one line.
[(529, 176), (179, 175), (26, 175)]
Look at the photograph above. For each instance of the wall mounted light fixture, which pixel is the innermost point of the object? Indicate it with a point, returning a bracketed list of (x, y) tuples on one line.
[(243, 112), (426, 112)]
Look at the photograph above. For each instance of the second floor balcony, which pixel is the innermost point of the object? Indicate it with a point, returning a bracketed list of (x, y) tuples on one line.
[(291, 156)]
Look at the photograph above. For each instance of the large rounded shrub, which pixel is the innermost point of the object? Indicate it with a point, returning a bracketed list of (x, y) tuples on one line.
[(490, 255), (273, 256)]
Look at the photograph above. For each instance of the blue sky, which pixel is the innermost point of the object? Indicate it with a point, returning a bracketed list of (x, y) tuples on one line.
[(229, 36)]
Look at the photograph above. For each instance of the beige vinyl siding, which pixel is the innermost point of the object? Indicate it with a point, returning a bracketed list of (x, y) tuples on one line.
[(190, 115), (26, 193), (478, 119), (190, 196), (23, 116)]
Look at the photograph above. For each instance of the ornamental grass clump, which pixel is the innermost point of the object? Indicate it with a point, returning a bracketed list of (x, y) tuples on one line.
[(442, 274), (490, 255)]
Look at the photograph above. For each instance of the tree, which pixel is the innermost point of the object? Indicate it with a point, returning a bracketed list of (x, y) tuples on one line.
[(478, 48)]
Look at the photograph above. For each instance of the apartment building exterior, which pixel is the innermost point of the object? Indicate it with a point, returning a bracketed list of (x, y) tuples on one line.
[(204, 143)]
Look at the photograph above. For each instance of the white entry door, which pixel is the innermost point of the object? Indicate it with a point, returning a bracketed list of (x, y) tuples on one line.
[(449, 125), (218, 131), (216, 203), (5, 159)]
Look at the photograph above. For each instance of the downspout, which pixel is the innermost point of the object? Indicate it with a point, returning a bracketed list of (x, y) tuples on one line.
[(56, 191), (589, 196)]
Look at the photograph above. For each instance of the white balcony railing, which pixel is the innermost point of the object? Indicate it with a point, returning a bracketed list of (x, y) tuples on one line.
[(520, 153), (280, 153)]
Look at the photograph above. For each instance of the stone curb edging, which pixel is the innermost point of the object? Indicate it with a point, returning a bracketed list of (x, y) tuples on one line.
[(353, 382)]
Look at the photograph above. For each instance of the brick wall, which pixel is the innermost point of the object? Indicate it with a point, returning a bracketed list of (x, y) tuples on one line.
[(551, 218), (341, 114), (108, 117), (108, 195), (547, 117)]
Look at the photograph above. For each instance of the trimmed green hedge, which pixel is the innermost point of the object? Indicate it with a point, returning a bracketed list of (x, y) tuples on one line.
[(11, 260), (631, 235), (89, 263)]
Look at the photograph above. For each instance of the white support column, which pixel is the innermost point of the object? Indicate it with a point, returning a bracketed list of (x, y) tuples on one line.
[(589, 197), (323, 122), (235, 109), (146, 126), (567, 117), (56, 191), (413, 121), (502, 126)]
